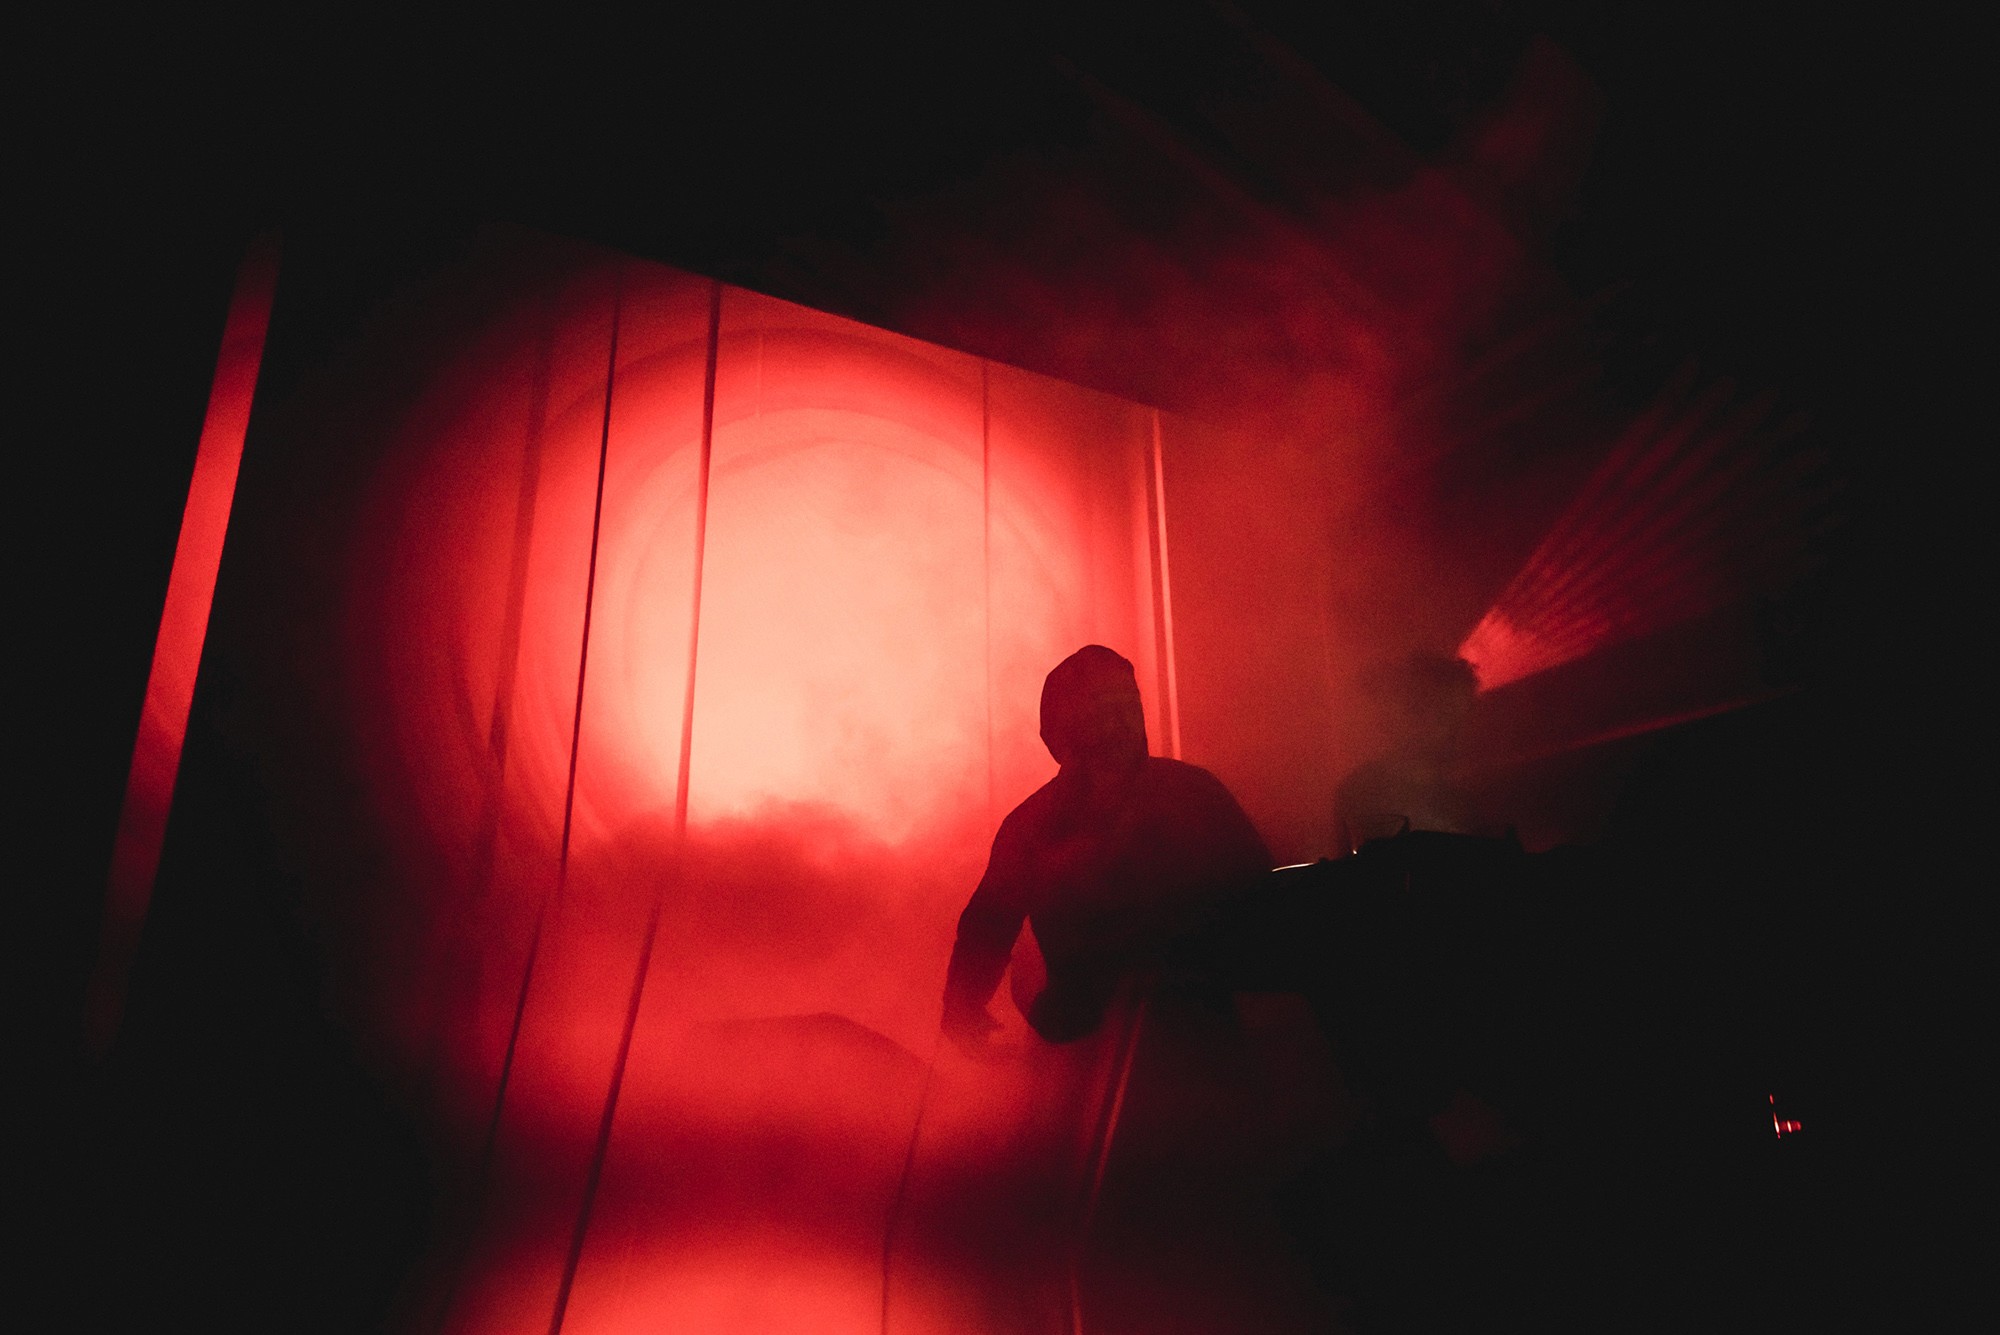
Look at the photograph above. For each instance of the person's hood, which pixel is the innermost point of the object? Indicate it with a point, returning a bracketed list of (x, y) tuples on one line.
[(1089, 696)]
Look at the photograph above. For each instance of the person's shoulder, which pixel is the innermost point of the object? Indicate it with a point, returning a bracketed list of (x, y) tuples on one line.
[(1178, 771), (1180, 776), (1200, 802)]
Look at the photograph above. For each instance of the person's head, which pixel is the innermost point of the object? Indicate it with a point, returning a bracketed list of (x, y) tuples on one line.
[(1432, 699), (1091, 715)]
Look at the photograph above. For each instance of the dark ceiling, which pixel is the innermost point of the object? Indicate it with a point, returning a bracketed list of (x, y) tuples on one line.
[(1775, 192)]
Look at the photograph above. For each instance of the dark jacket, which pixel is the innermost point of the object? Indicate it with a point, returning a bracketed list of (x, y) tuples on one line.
[(1108, 894)]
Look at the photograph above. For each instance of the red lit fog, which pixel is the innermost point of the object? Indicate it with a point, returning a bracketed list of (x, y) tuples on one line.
[(900, 541)]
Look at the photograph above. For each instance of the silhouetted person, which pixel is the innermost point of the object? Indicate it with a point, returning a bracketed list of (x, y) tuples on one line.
[(1113, 861), (1411, 785)]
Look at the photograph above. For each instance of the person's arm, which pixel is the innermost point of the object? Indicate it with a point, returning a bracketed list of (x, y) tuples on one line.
[(986, 932)]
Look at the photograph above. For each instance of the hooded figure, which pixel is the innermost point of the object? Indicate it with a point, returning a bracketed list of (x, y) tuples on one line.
[(1113, 860)]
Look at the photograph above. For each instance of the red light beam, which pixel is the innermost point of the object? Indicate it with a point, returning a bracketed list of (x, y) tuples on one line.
[(156, 755)]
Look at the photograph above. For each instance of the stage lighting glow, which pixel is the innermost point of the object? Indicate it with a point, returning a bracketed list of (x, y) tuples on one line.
[(1696, 505), (898, 542), (156, 755)]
